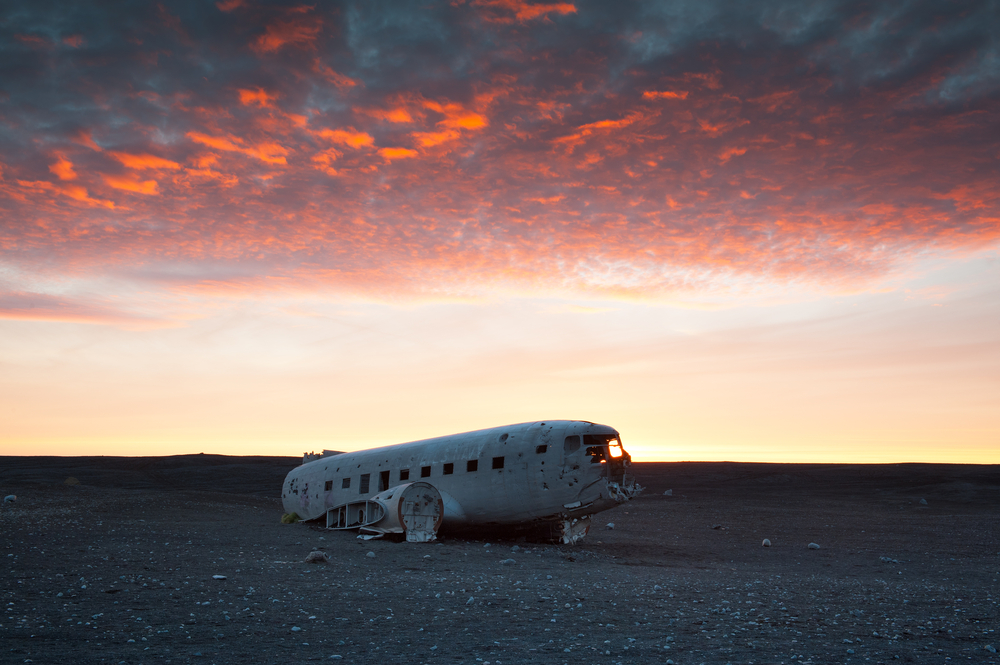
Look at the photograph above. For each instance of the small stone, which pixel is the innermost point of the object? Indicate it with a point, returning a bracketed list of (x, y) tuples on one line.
[(218, 577), (336, 656), (515, 548), (766, 543), (316, 556), (990, 648), (850, 651), (716, 526), (10, 498), (295, 629), (923, 502), (610, 526), (370, 555), (813, 546), (668, 493), (507, 562), (470, 600)]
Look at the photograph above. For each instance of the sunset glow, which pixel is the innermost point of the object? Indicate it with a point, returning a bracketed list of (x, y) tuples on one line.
[(761, 232)]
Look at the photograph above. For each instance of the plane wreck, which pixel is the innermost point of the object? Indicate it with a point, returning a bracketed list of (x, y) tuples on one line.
[(544, 476)]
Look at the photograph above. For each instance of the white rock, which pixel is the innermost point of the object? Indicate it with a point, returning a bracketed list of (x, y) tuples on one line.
[(813, 546), (10, 498), (316, 556), (507, 562), (515, 548), (218, 577), (990, 648), (668, 493), (923, 502), (470, 600), (370, 555), (610, 526), (295, 629), (766, 543)]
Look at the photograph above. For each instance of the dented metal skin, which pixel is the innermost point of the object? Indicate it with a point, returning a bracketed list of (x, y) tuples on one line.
[(559, 472)]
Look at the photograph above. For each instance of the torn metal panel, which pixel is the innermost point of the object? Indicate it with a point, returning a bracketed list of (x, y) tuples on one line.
[(415, 509), (573, 531), (354, 515)]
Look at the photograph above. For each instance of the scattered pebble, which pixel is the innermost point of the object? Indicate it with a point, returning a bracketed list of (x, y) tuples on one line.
[(766, 543), (10, 498), (813, 546), (610, 526), (507, 562), (370, 555), (218, 577), (668, 493), (923, 502)]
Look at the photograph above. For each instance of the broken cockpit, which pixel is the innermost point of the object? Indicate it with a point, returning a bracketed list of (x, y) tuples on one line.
[(607, 450)]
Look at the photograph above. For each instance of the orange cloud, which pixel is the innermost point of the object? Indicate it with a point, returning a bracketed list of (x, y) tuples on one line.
[(229, 5), (74, 192), (148, 187), (76, 41), (457, 116), (324, 160), (144, 161), (299, 32), (84, 138), (333, 77), (549, 199), (218, 142), (34, 40), (729, 153), (349, 136), (397, 153), (63, 168), (266, 151), (429, 139), (258, 96), (665, 94), (509, 11), (397, 115)]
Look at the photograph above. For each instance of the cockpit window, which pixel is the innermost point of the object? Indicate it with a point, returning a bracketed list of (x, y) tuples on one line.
[(601, 446)]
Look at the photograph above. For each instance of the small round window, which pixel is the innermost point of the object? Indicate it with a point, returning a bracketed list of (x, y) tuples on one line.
[(503, 438)]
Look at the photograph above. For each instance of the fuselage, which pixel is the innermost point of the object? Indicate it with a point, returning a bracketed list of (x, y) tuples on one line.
[(504, 475)]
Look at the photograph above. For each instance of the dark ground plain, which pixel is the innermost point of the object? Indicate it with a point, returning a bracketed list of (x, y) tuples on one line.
[(119, 569)]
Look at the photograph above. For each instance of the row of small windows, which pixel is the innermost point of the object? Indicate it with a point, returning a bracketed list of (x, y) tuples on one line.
[(448, 469)]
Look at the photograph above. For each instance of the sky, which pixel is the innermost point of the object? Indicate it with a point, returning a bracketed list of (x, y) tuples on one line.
[(763, 231)]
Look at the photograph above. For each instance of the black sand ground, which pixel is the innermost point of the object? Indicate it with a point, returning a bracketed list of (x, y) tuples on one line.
[(119, 569)]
